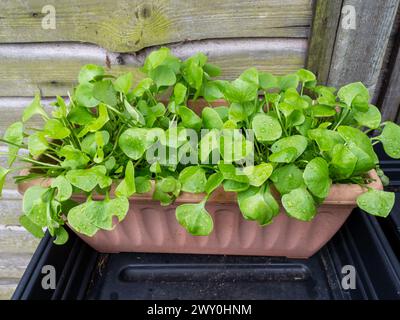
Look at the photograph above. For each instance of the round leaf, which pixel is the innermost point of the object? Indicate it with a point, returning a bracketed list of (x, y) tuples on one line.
[(193, 179), (316, 177), (195, 219), (266, 128), (299, 204), (376, 202), (390, 139)]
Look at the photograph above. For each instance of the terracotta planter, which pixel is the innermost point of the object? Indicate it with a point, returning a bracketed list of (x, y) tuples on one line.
[(149, 227)]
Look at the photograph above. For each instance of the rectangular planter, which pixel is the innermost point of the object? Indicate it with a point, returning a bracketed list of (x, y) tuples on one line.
[(150, 227)]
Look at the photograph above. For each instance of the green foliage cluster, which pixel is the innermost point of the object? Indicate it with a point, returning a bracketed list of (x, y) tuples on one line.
[(307, 137)]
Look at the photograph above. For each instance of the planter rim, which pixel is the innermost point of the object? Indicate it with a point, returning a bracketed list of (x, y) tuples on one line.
[(340, 194)]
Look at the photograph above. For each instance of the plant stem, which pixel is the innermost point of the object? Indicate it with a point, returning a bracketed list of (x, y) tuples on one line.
[(13, 144)]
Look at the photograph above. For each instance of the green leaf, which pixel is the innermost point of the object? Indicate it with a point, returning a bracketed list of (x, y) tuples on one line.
[(237, 112), (79, 219), (234, 186), (166, 190), (370, 118), (343, 161), (267, 81), (127, 186), (316, 177), (213, 182), (33, 228), (266, 128), (55, 129), (376, 202), (356, 139), (83, 95), (34, 207), (211, 91), (142, 184), (258, 204), (305, 75), (3, 174), (299, 204), (286, 155), (179, 93), (189, 118), (61, 236), (212, 70), (195, 219), (133, 142), (390, 139), (88, 179), (321, 111), (14, 134), (134, 113), (296, 141), (230, 172), (234, 146), (211, 119), (80, 115), (64, 188), (250, 75), (349, 92), (326, 139), (34, 108), (156, 58), (104, 91), (89, 145), (288, 81), (88, 72), (287, 178), (163, 76), (193, 179), (143, 86), (73, 158), (101, 213), (37, 144), (240, 91), (124, 82), (193, 74), (258, 174)]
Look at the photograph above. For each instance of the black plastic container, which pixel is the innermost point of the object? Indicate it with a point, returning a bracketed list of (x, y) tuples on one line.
[(370, 245)]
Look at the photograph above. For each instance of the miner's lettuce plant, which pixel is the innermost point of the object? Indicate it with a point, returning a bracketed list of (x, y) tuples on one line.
[(307, 137)]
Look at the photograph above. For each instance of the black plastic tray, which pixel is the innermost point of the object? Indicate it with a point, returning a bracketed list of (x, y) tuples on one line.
[(82, 273), (369, 244)]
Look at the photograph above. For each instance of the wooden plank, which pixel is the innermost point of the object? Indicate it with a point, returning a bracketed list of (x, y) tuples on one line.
[(52, 69), (391, 96), (359, 53), (7, 289), (323, 34), (13, 265), (130, 25), (10, 208), (16, 239)]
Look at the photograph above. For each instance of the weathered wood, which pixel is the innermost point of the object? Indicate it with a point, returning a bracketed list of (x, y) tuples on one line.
[(13, 265), (322, 39), (391, 96), (129, 25), (52, 69), (10, 208), (7, 289), (358, 53), (16, 239)]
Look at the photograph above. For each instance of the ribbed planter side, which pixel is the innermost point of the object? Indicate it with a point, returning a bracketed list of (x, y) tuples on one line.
[(150, 227)]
